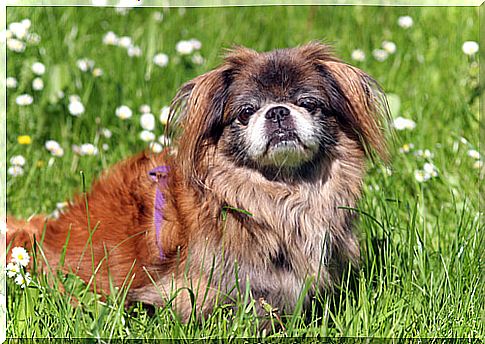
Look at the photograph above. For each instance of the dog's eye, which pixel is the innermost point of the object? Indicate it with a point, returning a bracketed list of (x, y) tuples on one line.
[(309, 104), (244, 114)]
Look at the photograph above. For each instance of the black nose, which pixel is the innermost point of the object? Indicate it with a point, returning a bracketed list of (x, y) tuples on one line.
[(277, 113)]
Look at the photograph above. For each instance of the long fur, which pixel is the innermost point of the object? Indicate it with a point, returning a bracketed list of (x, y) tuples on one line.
[(225, 224)]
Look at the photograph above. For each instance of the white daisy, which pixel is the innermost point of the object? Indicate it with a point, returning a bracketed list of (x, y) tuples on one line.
[(156, 147), (380, 55), (20, 256), (401, 123), (478, 164), (145, 108), (134, 51), (405, 22), (51, 145), (110, 38), (17, 160), (15, 171), (97, 72), (421, 176), (38, 84), (147, 136), (38, 68), (105, 146), (470, 47), (76, 108), (406, 148), (106, 133), (19, 30), (358, 55), (85, 64), (474, 154), (164, 115), (147, 121), (196, 44), (24, 100), (160, 59), (15, 45), (184, 47), (123, 112), (11, 82), (197, 59), (389, 46), (88, 149), (430, 169), (12, 269), (23, 281), (125, 42), (164, 140)]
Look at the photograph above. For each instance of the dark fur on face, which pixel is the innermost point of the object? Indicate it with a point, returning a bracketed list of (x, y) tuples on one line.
[(317, 97), (269, 159)]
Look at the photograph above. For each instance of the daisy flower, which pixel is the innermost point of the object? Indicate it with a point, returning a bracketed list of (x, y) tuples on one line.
[(184, 47), (134, 51), (125, 42), (389, 47), (358, 55), (164, 140), (97, 72), (380, 54), (15, 171), (38, 84), (470, 47), (20, 256), (164, 114), (38, 68), (156, 147), (88, 149), (406, 148), (405, 22), (106, 133), (147, 121), (145, 108), (17, 160), (15, 45), (147, 136), (160, 59), (430, 169), (11, 82), (197, 59), (24, 100), (12, 269), (401, 123), (19, 30), (110, 38), (123, 112), (75, 107), (474, 154), (23, 281), (85, 64)]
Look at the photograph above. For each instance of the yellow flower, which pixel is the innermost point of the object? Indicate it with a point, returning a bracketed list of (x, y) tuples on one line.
[(24, 140), (40, 163)]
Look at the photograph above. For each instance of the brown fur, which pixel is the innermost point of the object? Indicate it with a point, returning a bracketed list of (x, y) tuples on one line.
[(296, 230)]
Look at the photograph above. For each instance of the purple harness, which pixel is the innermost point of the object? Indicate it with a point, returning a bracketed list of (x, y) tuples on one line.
[(159, 175)]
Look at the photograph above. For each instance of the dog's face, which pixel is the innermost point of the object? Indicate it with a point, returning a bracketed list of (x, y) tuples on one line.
[(279, 111)]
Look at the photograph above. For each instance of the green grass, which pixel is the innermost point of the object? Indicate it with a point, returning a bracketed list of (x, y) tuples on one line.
[(422, 243)]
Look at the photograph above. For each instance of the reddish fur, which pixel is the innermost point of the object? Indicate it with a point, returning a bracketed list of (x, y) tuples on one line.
[(201, 182)]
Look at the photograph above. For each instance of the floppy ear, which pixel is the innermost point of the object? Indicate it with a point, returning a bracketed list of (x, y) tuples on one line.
[(198, 110), (365, 109), (357, 98)]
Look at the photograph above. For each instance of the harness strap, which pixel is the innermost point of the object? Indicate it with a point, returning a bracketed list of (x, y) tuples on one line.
[(159, 175)]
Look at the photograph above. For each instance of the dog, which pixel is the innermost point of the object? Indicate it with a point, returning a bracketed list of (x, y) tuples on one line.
[(270, 155)]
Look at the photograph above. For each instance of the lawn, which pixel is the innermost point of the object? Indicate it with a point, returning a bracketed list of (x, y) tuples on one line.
[(420, 227)]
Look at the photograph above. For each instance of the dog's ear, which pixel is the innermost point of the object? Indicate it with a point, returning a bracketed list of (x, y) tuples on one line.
[(198, 110), (357, 99)]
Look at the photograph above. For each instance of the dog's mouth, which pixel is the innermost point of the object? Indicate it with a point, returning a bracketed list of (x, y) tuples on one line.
[(282, 139)]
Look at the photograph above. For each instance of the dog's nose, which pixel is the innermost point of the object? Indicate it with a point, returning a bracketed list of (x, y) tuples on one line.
[(277, 113)]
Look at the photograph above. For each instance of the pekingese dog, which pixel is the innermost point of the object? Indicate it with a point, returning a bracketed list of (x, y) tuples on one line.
[(270, 155)]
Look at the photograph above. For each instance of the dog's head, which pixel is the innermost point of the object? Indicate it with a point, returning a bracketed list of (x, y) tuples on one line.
[(280, 112)]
